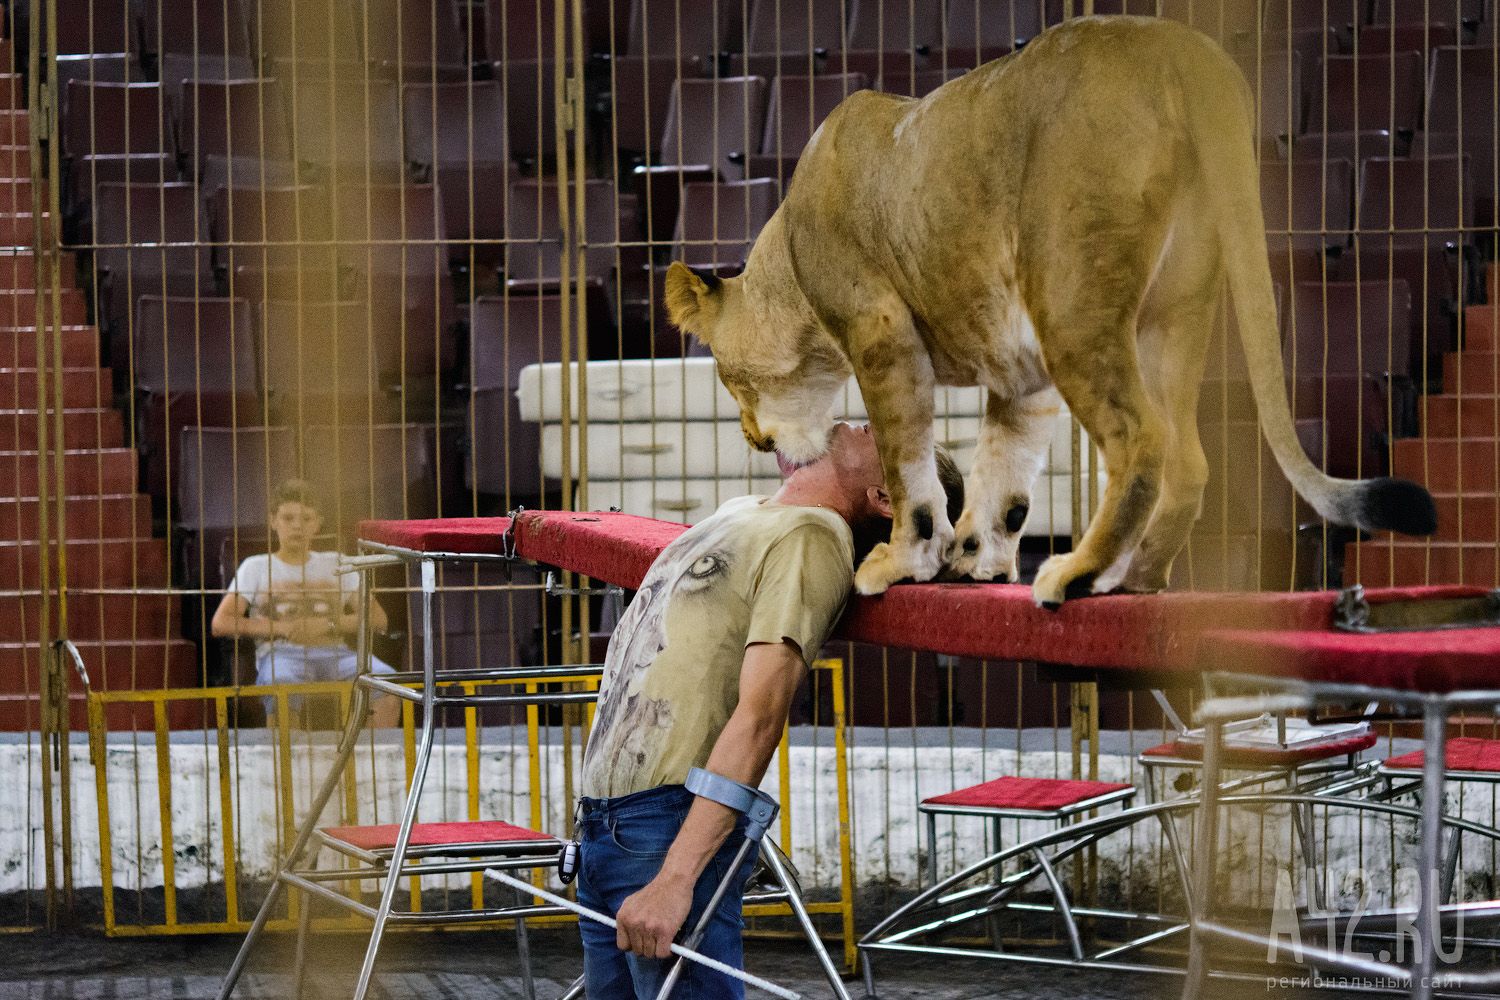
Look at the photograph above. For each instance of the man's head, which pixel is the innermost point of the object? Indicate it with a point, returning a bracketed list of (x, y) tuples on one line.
[(851, 474), (784, 372), (294, 515)]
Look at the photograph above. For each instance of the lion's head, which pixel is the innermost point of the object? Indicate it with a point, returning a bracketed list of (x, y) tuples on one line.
[(781, 367)]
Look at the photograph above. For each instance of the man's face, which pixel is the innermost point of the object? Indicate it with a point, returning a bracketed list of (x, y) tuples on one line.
[(296, 525)]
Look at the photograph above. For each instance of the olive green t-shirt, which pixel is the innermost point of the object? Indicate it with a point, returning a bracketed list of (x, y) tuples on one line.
[(754, 571)]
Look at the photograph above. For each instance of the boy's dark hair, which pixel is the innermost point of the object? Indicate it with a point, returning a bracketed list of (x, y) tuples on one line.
[(295, 491), (874, 530)]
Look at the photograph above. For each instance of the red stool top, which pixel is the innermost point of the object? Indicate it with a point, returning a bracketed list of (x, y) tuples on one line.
[(1040, 794), (1268, 756), (383, 837), (1464, 753)]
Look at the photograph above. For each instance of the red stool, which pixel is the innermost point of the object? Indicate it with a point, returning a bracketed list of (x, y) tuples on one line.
[(1289, 764), (1018, 798)]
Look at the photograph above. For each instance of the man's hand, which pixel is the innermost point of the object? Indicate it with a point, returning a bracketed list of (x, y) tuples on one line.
[(649, 919), (311, 631)]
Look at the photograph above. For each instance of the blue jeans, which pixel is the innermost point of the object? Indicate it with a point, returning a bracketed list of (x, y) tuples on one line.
[(624, 841)]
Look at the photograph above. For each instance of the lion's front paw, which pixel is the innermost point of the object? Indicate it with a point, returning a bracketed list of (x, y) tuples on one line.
[(889, 562), (1060, 578)]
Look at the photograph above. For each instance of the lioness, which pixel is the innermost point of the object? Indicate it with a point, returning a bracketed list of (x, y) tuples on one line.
[(1060, 220)]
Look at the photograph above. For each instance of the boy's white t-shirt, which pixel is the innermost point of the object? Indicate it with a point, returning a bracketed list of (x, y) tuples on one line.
[(276, 589)]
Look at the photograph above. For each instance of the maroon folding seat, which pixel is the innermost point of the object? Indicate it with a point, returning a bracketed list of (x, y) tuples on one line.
[(1280, 99), (1407, 36), (1413, 216), (637, 94), (1307, 206), (530, 109), (193, 362), (232, 118), (115, 118), (899, 66), (789, 37), (227, 476), (978, 26), (522, 29), (176, 69), (1291, 15), (366, 471), (109, 67), (1461, 117), (149, 240), (1139, 8), (414, 40), (275, 242), (195, 27), (330, 358), (920, 83), (245, 172), (455, 137), (718, 223), (1371, 91), (97, 26), (86, 173), (350, 128), (896, 25), (1348, 351), (392, 241), (1470, 12), (702, 28), (506, 334), (316, 36), (1355, 147), (797, 106), (486, 617)]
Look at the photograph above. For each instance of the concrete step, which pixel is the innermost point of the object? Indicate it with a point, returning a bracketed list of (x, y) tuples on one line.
[(15, 161), (122, 515), (1471, 371), (1468, 518), (82, 429), (1491, 282), (1445, 465), (18, 265), (15, 124), (87, 472), (1404, 563), (1451, 416), (82, 388), (120, 617), (113, 562), (1479, 328), (112, 666), (18, 307), (80, 345)]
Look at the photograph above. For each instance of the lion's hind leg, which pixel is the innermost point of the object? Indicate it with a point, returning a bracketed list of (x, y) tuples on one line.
[(1011, 452)]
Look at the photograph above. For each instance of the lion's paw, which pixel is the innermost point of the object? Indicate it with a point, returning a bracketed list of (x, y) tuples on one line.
[(889, 563), (983, 557), (1061, 577)]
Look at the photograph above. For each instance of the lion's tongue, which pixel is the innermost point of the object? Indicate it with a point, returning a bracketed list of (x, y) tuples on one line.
[(786, 465)]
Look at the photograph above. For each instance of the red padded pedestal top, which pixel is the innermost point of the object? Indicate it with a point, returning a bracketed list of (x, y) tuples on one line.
[(1041, 794), (383, 837), (1464, 753), (480, 536), (1437, 662), (1268, 756), (983, 621)]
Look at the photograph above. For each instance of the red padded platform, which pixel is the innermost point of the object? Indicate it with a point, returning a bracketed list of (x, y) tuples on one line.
[(481, 536), (1464, 753), (983, 621), (1258, 757), (1041, 794), (383, 837), (1462, 659)]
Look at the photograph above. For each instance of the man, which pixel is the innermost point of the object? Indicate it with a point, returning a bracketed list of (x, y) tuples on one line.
[(701, 672)]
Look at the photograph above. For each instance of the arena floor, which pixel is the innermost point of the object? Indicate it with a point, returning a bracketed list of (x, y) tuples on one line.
[(442, 966)]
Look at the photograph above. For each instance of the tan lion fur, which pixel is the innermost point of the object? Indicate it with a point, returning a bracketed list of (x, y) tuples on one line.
[(1060, 221)]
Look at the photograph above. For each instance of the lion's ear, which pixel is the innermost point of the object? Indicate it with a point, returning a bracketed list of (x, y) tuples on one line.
[(693, 299)]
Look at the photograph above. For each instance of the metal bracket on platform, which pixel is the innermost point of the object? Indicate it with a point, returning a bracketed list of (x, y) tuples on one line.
[(508, 536), (555, 589), (1354, 613)]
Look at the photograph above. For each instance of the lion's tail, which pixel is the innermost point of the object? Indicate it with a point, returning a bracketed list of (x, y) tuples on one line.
[(1219, 118)]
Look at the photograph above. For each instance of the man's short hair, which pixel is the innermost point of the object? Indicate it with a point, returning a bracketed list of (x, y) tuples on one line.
[(874, 530), (295, 491)]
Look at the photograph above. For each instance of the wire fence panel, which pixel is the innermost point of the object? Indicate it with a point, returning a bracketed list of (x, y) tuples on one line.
[(412, 252)]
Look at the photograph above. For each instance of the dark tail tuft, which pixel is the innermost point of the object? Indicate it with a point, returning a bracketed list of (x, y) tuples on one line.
[(1397, 505)]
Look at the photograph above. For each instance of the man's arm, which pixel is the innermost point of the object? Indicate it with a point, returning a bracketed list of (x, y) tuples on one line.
[(769, 676)]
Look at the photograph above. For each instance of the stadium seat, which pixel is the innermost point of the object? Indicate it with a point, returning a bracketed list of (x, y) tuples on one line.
[(1461, 99), (920, 83), (1419, 36), (392, 240), (1280, 100), (349, 129), (176, 69), (1426, 242), (1355, 147), (455, 139), (1370, 91), (225, 479), (702, 28), (1139, 8), (232, 118), (244, 172), (415, 41), (977, 26), (323, 359), (488, 617), (193, 362), (109, 67), (789, 37), (86, 173), (521, 29), (504, 452), (797, 106), (530, 110), (1470, 12), (1307, 206), (129, 218), (897, 65), (718, 223), (1292, 15), (317, 35), (195, 28), (99, 26), (115, 118), (896, 25), (1348, 350), (635, 93), (371, 471), (273, 242)]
